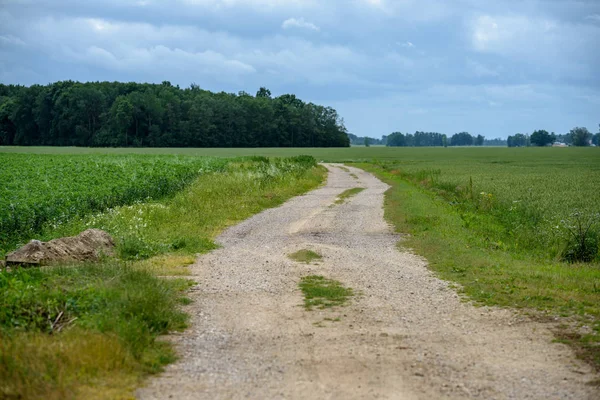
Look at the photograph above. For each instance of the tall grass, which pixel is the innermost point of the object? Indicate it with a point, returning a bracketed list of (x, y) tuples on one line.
[(63, 329)]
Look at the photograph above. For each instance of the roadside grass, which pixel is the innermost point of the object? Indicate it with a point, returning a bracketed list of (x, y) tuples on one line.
[(168, 264), (305, 256), (75, 330), (322, 293), (92, 331), (471, 253), (346, 194)]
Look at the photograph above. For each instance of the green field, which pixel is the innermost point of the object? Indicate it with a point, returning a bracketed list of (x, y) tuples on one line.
[(499, 222), (41, 191)]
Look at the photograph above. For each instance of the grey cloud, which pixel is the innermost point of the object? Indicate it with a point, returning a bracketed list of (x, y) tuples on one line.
[(404, 63)]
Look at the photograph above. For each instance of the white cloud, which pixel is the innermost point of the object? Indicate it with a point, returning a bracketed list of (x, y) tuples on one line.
[(407, 44), (162, 58), (299, 23), (11, 40), (593, 17)]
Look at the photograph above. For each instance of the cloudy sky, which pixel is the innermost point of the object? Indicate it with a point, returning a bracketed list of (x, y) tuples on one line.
[(488, 67)]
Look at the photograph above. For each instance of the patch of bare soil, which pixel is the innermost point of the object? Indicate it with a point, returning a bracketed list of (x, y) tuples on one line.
[(89, 245)]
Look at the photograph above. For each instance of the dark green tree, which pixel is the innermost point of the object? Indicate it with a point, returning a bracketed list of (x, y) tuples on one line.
[(580, 136), (518, 140), (542, 138), (131, 114), (462, 139), (263, 93)]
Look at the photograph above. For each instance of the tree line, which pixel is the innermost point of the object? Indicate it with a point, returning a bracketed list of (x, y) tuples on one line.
[(576, 137), (429, 139), (113, 114)]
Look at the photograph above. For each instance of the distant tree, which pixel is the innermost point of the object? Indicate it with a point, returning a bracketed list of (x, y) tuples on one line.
[(263, 93), (367, 142), (396, 139), (360, 140), (596, 138), (580, 136), (518, 140), (542, 138), (7, 127), (479, 140), (418, 139), (461, 139)]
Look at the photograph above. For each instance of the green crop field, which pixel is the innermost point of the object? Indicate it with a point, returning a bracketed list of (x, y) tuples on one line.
[(39, 191)]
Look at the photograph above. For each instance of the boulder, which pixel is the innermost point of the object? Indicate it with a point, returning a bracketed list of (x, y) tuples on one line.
[(89, 245)]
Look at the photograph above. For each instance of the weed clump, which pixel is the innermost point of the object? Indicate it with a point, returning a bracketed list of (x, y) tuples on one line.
[(305, 256), (323, 293), (583, 237)]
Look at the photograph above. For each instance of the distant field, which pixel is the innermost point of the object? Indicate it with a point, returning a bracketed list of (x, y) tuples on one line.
[(355, 153)]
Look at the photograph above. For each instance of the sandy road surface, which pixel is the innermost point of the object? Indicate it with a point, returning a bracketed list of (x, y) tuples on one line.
[(407, 336)]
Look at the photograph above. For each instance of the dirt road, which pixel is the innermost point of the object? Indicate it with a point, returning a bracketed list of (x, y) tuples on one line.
[(405, 336)]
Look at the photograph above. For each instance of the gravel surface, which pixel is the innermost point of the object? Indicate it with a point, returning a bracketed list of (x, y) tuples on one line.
[(406, 335)]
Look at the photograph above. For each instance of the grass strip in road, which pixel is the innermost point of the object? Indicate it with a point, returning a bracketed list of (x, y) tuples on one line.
[(92, 331), (493, 275), (305, 256), (346, 194), (323, 293)]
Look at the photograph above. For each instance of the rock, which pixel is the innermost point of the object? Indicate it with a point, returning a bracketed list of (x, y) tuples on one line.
[(87, 246)]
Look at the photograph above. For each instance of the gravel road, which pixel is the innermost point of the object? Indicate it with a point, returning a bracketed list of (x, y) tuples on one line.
[(407, 335)]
